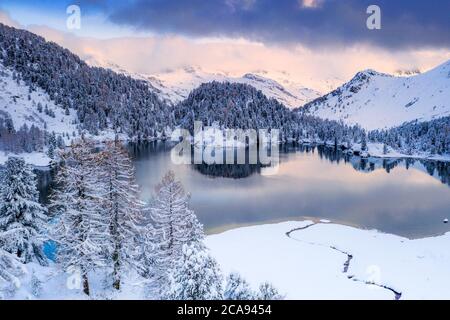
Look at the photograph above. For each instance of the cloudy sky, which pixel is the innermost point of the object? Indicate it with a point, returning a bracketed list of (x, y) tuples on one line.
[(310, 40)]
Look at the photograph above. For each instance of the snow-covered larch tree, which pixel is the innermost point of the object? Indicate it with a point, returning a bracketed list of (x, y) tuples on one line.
[(173, 224), (123, 208), (196, 276), (237, 288), (22, 219), (82, 228)]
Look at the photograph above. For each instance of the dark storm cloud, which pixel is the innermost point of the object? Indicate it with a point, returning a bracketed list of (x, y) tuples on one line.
[(405, 23)]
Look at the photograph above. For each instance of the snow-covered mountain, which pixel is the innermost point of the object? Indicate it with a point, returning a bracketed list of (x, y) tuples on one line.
[(175, 85), (376, 101)]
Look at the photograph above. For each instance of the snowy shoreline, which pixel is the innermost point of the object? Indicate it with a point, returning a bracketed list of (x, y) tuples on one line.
[(41, 161), (310, 260), (375, 150)]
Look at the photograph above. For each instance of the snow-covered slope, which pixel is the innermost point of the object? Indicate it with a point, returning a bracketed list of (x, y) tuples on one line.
[(175, 85), (375, 100), (21, 106), (36, 108), (306, 260)]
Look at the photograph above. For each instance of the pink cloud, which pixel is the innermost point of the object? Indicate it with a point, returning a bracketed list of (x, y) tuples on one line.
[(319, 69), (5, 18), (310, 3)]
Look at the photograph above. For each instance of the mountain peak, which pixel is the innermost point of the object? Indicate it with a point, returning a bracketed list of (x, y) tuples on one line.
[(192, 69), (376, 100), (368, 73)]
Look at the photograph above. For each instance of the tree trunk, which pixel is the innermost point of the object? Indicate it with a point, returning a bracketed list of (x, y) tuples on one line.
[(114, 229), (116, 272), (85, 284)]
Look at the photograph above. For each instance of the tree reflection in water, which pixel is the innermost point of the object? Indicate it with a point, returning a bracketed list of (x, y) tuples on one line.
[(439, 170)]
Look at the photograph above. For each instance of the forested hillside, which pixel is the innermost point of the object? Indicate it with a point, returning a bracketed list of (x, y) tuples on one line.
[(234, 105), (413, 137), (102, 99)]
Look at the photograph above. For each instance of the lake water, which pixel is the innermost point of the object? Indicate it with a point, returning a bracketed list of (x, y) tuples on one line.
[(405, 197)]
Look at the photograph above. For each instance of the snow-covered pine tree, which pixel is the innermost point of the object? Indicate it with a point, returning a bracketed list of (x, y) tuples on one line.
[(147, 255), (237, 288), (196, 276), (82, 228), (348, 144), (385, 149), (51, 146), (195, 232), (268, 292), (10, 271), (22, 219), (364, 142), (174, 224), (123, 207), (36, 285)]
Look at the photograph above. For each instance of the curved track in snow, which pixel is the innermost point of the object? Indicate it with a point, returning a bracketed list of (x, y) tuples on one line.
[(397, 294)]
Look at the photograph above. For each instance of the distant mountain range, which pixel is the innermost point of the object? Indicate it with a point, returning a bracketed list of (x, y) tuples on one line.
[(375, 100), (48, 90), (371, 99), (175, 85)]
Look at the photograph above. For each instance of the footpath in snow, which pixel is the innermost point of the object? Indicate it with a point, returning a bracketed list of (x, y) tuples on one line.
[(307, 260)]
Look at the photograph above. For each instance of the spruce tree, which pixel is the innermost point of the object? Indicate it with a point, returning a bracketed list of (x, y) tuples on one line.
[(22, 219), (52, 145), (148, 256), (237, 288), (364, 142), (268, 292), (196, 276), (10, 271)]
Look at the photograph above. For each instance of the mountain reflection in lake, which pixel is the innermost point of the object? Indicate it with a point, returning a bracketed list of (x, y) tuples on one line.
[(405, 197)]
